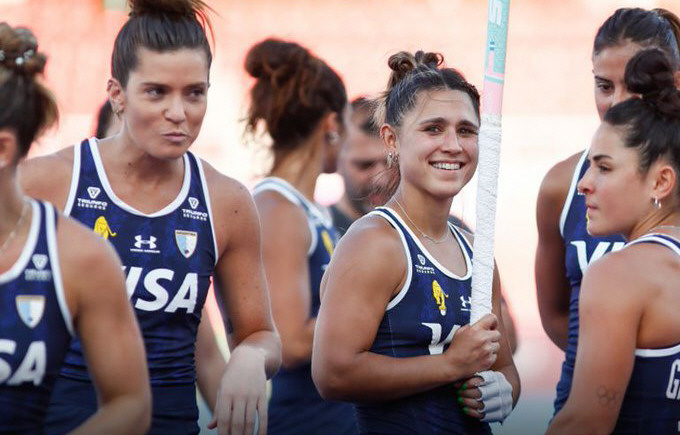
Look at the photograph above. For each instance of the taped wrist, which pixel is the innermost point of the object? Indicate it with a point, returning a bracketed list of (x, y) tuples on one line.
[(496, 396)]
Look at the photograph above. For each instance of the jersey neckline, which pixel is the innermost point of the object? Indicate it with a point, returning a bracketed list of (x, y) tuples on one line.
[(429, 256), (29, 246), (104, 180)]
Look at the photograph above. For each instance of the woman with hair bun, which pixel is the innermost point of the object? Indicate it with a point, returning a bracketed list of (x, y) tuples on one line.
[(175, 222), (627, 375), (51, 288), (393, 333), (564, 246), (300, 102)]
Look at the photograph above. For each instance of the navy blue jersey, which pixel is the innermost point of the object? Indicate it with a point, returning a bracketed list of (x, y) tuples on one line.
[(580, 250), (168, 256), (296, 406), (421, 319), (35, 327), (651, 404)]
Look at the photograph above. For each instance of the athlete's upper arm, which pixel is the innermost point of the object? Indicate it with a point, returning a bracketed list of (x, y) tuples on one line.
[(286, 240), (367, 267), (552, 287), (610, 312), (49, 177), (239, 275), (102, 316)]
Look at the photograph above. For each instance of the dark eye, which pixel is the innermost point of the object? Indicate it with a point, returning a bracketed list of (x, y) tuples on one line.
[(467, 131), (604, 87), (433, 129), (155, 91), (197, 92), (603, 168)]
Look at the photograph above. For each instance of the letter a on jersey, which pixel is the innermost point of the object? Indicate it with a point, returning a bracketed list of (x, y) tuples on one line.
[(186, 242), (30, 309)]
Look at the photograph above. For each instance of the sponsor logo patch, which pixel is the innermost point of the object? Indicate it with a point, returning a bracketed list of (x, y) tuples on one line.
[(102, 228), (146, 246)]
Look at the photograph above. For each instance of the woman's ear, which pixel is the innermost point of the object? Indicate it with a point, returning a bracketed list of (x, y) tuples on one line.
[(116, 96), (9, 148), (664, 180)]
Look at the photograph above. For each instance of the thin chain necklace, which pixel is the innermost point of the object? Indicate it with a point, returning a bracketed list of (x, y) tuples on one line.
[(17, 225), (667, 227), (422, 233)]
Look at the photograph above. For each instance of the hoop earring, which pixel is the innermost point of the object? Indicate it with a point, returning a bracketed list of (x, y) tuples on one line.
[(657, 203)]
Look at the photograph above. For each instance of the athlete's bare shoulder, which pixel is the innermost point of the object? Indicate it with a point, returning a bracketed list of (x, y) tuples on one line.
[(48, 177), (555, 186)]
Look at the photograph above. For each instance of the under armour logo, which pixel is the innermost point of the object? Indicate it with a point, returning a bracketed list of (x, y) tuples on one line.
[(465, 304), (193, 202), (139, 242), (39, 261), (421, 259), (93, 192)]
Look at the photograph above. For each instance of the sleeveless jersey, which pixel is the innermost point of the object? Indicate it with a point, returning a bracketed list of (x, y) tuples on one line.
[(421, 319), (296, 406), (168, 257), (580, 250), (35, 327), (651, 404)]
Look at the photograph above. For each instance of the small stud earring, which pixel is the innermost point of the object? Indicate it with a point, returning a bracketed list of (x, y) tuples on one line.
[(657, 203), (333, 137)]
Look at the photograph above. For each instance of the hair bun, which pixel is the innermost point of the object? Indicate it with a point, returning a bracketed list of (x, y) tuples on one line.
[(275, 60), (170, 7), (649, 73), (404, 63), (19, 51)]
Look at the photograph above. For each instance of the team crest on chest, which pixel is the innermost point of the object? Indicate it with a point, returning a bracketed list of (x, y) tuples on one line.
[(101, 227), (439, 297), (30, 309), (186, 242)]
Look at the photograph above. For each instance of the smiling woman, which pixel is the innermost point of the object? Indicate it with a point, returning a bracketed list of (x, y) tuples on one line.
[(175, 223), (393, 333)]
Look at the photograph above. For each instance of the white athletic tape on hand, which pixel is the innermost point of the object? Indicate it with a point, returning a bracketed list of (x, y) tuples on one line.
[(496, 396), (487, 187)]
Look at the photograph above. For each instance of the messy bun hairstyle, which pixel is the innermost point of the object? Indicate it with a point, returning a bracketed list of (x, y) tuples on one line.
[(656, 28), (292, 93), (159, 25), (652, 121), (26, 106), (411, 75)]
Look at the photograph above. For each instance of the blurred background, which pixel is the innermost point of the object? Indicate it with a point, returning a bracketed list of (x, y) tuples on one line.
[(548, 110)]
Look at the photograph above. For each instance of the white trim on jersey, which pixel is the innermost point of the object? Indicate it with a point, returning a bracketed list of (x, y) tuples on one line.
[(409, 266), (296, 197), (103, 179), (75, 177), (657, 353), (208, 206), (654, 237), (51, 227), (29, 247), (442, 269), (572, 191)]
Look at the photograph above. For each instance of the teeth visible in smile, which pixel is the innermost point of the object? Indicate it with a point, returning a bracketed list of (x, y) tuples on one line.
[(447, 166)]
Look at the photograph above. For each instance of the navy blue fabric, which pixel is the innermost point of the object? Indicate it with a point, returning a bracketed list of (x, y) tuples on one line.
[(34, 333), (168, 257), (421, 320)]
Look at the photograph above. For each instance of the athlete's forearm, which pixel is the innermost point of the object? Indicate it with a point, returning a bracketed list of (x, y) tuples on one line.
[(371, 376), (129, 414)]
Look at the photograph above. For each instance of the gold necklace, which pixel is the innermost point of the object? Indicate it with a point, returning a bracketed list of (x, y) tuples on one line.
[(17, 225), (432, 239)]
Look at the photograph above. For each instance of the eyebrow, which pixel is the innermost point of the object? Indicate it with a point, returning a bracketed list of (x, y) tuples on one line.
[(602, 78), (190, 85), (598, 157), (441, 120)]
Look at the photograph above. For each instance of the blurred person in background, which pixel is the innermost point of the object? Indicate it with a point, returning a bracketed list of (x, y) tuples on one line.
[(301, 103)]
